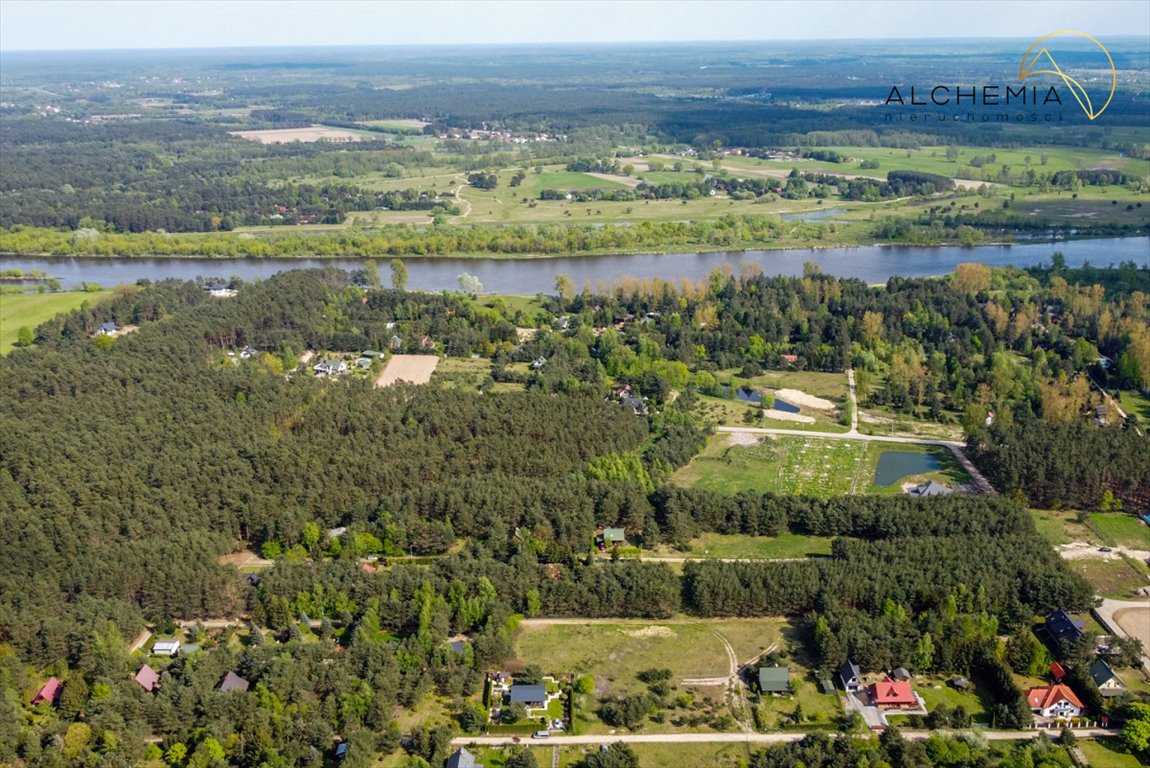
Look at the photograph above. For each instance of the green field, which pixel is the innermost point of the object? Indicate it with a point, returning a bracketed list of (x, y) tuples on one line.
[(719, 546), (650, 755), (461, 372), (1061, 527), (1135, 405), (32, 309), (1108, 751), (1118, 579), (1121, 530)]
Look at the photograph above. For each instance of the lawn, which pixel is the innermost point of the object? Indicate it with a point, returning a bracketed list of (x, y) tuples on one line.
[(1108, 751), (720, 546), (32, 309), (1136, 405), (818, 708), (1061, 527), (461, 372), (791, 465), (1121, 530), (535, 182), (935, 691)]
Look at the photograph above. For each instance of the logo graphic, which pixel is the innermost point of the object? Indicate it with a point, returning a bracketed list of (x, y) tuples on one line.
[(1027, 68)]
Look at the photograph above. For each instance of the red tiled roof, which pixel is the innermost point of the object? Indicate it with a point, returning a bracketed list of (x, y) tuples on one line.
[(49, 692), (1042, 698), (892, 693), (1057, 672), (147, 678)]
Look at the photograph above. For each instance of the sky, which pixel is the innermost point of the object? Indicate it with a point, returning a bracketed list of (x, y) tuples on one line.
[(120, 24)]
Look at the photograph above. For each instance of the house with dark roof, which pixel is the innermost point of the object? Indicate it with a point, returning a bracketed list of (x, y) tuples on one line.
[(1054, 701), (900, 673), (1063, 628), (233, 682), (609, 537), (893, 694), (931, 488), (147, 678), (49, 692), (532, 695), (107, 329), (1109, 684), (341, 750), (849, 677), (774, 680), (461, 758)]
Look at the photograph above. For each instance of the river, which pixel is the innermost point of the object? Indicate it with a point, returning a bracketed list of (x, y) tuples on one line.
[(872, 263)]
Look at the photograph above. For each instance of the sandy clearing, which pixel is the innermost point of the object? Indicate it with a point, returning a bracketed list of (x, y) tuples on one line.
[(626, 180), (743, 438), (654, 630), (1136, 622), (1080, 549), (785, 416), (803, 400), (416, 369), (288, 135)]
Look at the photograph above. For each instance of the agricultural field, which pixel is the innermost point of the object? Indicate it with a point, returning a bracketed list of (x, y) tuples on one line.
[(414, 369), (310, 134), (18, 310)]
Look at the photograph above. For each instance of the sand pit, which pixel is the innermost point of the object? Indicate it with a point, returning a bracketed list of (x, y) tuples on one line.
[(1136, 621), (309, 134), (416, 369), (785, 416), (803, 400), (744, 438)]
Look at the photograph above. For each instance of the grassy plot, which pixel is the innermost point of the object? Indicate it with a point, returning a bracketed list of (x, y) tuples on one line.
[(31, 309), (1061, 527), (1108, 751), (784, 546), (1135, 405), (650, 755), (1121, 530), (615, 653), (461, 372), (1118, 579), (797, 465)]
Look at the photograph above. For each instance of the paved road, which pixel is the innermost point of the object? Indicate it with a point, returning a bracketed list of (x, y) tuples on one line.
[(748, 738)]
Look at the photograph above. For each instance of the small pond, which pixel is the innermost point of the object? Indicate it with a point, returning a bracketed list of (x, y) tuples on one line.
[(748, 395), (895, 465), (783, 405)]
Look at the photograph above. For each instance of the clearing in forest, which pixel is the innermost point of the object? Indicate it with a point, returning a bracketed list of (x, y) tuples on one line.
[(416, 369)]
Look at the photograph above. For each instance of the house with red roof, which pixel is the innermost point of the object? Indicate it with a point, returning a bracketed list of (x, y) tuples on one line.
[(147, 678), (1054, 701), (893, 694), (1057, 671), (49, 692)]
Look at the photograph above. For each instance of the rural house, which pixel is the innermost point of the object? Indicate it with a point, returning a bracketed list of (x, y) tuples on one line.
[(1063, 628), (48, 692), (108, 329), (147, 678), (610, 537), (931, 488), (893, 694), (534, 696), (233, 682), (330, 367), (461, 758), (849, 677), (1054, 701), (165, 647), (1109, 684), (774, 680)]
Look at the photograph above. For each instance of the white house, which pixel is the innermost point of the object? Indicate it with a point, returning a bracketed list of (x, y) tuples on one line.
[(166, 648), (330, 367), (1054, 701)]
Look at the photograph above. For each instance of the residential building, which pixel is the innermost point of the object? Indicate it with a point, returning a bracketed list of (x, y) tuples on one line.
[(1054, 701)]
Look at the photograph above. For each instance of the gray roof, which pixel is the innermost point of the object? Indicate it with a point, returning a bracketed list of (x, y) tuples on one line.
[(774, 679), (1102, 673), (931, 488), (233, 682), (847, 672), (461, 758), (528, 693)]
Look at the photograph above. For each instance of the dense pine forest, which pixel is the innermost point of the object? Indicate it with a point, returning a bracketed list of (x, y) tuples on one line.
[(131, 464)]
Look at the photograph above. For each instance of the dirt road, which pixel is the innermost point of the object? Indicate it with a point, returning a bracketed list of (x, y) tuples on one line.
[(749, 738)]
